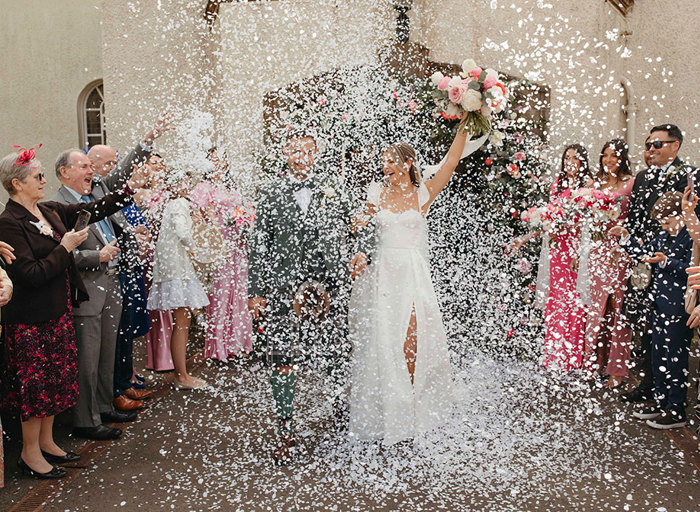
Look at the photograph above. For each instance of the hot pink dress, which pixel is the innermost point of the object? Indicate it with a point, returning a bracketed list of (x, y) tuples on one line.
[(564, 313), (608, 266), (229, 323)]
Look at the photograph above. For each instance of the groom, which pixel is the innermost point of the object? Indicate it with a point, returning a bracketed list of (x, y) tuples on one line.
[(302, 234)]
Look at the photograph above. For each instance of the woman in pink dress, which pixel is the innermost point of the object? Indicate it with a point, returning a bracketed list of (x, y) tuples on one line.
[(564, 313), (607, 341), (229, 324)]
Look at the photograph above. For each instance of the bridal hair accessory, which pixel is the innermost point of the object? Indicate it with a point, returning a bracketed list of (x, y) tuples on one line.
[(25, 156)]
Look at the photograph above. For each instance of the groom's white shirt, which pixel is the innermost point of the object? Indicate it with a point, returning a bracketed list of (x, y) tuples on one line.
[(302, 196)]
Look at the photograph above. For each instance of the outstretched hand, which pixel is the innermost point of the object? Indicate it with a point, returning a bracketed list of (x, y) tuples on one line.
[(618, 231), (658, 257), (162, 125)]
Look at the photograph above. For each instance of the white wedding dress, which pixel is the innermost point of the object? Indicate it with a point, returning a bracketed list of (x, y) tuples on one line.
[(383, 403)]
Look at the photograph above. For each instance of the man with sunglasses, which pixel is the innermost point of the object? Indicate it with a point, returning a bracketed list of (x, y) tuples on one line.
[(666, 172)]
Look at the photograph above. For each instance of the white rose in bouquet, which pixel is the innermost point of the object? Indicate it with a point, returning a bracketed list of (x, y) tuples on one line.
[(453, 110), (614, 213), (468, 65), (454, 82), (436, 77), (471, 101), (496, 138), (491, 72)]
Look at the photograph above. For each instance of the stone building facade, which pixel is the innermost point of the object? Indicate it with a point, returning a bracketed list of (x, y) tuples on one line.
[(610, 74)]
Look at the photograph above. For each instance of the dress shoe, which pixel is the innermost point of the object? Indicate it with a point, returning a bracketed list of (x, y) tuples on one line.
[(55, 472), (138, 394), (668, 420), (118, 417), (61, 459), (637, 395), (124, 403), (99, 433)]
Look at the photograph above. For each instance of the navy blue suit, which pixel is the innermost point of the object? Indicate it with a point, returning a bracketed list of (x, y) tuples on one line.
[(670, 338)]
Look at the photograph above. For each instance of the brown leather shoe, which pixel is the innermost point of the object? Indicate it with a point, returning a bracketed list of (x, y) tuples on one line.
[(124, 403), (138, 394)]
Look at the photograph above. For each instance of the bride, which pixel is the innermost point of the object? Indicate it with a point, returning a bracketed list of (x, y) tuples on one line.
[(401, 378)]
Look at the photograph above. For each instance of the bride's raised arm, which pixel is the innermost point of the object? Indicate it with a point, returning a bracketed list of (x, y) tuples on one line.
[(444, 174)]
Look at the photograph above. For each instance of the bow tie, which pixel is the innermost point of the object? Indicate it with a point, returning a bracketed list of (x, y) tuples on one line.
[(296, 186)]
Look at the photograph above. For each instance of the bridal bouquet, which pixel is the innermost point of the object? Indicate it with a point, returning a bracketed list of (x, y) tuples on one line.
[(474, 95)]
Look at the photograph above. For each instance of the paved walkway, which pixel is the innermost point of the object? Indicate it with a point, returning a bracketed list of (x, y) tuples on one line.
[(521, 441)]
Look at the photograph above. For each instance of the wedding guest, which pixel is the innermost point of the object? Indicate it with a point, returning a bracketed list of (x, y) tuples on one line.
[(564, 313), (666, 172), (229, 324), (40, 352), (669, 253), (97, 319), (176, 287), (607, 341), (150, 201), (134, 316)]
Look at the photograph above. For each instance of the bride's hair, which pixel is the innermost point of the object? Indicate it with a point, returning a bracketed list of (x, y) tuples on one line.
[(404, 152)]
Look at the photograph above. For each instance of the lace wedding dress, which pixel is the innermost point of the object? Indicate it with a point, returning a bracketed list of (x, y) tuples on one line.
[(383, 402)]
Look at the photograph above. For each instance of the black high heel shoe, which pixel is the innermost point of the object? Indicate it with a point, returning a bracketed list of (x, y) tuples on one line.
[(54, 474), (61, 459)]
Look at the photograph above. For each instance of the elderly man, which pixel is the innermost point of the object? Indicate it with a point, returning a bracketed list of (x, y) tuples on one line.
[(99, 262), (134, 320)]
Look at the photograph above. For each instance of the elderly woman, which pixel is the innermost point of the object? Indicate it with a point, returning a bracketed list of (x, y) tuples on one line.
[(39, 348)]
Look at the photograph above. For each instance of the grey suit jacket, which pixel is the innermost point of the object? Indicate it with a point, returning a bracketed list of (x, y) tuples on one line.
[(129, 260), (87, 256), (288, 244)]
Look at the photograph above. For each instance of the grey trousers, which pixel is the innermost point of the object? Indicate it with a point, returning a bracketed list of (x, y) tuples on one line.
[(97, 340)]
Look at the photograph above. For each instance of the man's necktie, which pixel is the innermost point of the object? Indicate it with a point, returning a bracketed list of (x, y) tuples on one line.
[(103, 225)]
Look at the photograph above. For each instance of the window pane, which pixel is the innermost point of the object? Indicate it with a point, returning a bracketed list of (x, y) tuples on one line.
[(94, 100), (94, 126), (93, 140)]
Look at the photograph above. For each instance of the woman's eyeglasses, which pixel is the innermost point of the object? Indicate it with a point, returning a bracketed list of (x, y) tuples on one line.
[(657, 144)]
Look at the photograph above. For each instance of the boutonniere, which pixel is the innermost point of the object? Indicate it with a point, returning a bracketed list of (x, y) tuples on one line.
[(329, 192), (672, 169), (43, 228)]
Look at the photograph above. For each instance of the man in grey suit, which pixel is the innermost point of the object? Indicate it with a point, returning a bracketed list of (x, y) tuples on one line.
[(302, 235), (98, 260)]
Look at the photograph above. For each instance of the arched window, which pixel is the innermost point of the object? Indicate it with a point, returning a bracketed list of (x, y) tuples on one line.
[(91, 115)]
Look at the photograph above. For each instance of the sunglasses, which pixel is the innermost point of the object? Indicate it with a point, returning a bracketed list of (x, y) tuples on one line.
[(657, 144)]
